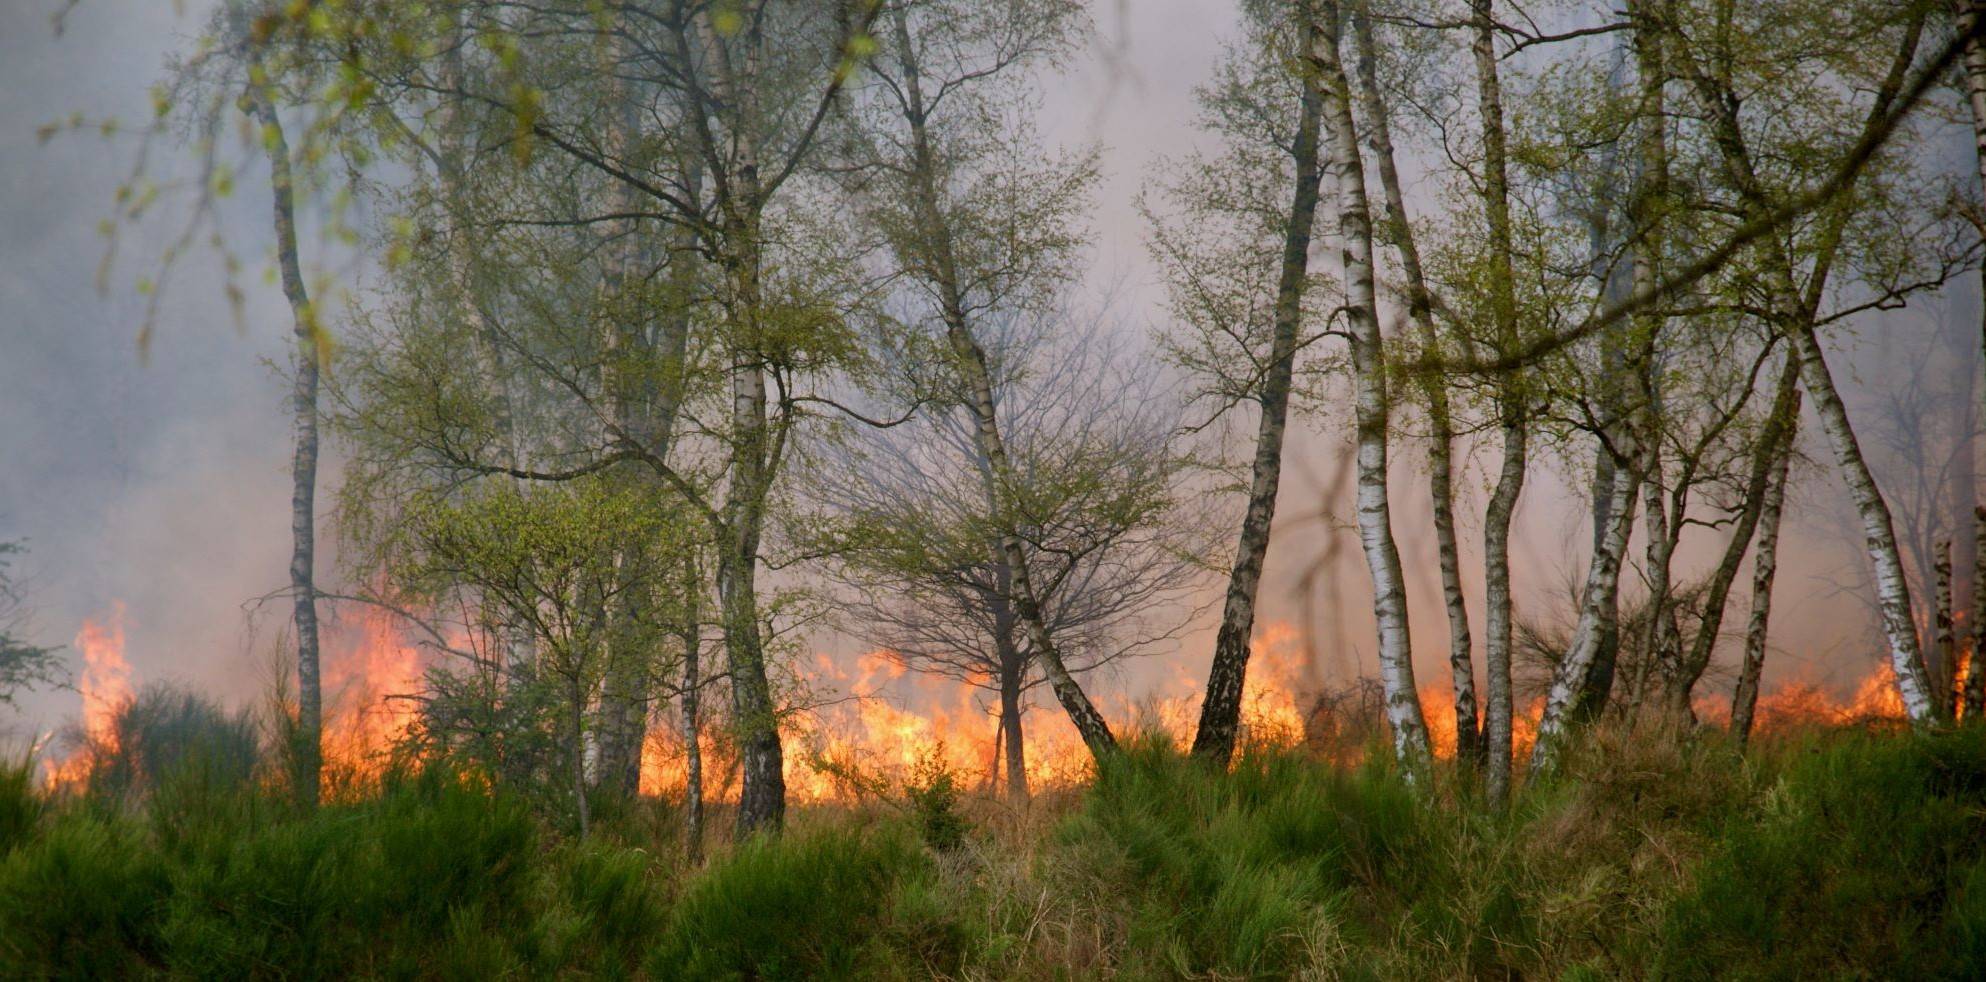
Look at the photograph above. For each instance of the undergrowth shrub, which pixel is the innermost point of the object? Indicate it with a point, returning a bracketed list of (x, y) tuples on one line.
[(808, 904), (1848, 855), (83, 900), (371, 886), (1862, 860), (1239, 874), (21, 807), (170, 737), (933, 792)]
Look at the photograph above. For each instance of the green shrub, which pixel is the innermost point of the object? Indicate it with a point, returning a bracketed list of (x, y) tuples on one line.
[(608, 908), (804, 905), (375, 886), (1863, 860), (171, 738), (933, 792), (1238, 873), (21, 807), (83, 900)]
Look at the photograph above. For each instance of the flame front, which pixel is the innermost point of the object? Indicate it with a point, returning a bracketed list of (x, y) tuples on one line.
[(105, 686), (870, 737), (371, 675)]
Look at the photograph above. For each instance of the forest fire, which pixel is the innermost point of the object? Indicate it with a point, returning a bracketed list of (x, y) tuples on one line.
[(889, 722), (868, 738), (105, 685), (860, 730), (372, 672)]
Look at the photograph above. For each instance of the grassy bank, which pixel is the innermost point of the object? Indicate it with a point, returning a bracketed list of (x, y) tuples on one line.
[(1841, 854)]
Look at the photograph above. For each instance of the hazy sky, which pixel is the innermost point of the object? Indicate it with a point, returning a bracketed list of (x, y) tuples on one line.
[(162, 483)]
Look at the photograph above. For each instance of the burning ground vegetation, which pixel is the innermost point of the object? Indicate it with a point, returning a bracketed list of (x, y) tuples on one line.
[(160, 840)]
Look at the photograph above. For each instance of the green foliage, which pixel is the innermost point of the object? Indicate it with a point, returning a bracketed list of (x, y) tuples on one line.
[(933, 791), (171, 741), (807, 905), (1862, 859), (1238, 874), (431, 873), (1852, 855), (84, 900), (20, 807)]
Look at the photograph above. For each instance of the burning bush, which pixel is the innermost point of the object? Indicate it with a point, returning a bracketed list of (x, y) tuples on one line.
[(168, 737)]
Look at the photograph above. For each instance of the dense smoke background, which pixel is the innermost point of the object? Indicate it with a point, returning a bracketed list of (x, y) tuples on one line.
[(159, 478)]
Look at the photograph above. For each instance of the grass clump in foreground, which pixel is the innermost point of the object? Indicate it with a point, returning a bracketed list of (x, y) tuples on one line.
[(1846, 854)]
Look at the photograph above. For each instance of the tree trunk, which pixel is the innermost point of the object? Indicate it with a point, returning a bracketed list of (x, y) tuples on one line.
[(1659, 657), (1774, 441), (1661, 649), (1969, 13), (762, 802), (1220, 710), (1944, 674), (1598, 687), (308, 338), (692, 744), (762, 799), (1600, 605), (1398, 231), (1511, 415), (1372, 410), (577, 697), (624, 699), (971, 362), (1011, 669), (1975, 673), (1766, 563), (1892, 590), (1497, 601)]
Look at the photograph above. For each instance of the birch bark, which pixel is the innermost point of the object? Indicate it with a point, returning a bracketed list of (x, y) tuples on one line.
[(1372, 409), (306, 356), (1220, 711)]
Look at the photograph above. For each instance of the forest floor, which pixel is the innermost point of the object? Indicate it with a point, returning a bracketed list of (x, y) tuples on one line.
[(1840, 853)]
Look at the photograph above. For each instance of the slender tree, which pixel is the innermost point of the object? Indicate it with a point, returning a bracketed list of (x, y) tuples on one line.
[(1373, 411), (1397, 231), (1220, 709), (309, 344), (1765, 565)]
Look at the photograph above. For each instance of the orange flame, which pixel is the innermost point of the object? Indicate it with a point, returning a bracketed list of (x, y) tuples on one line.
[(369, 676), (106, 689), (874, 737)]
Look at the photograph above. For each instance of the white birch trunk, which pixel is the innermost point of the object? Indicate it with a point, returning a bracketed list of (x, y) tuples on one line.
[(1602, 585), (1347, 173)]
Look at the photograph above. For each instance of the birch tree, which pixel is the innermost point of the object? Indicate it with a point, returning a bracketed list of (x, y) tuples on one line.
[(1716, 97), (1235, 246), (1345, 169), (941, 179), (1110, 534), (1397, 232)]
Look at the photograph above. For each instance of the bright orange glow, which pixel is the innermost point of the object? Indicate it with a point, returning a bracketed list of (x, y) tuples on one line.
[(868, 735), (105, 686), (858, 730), (371, 671)]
